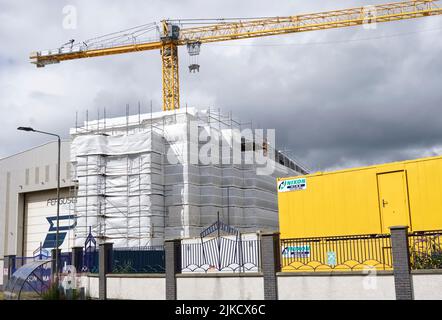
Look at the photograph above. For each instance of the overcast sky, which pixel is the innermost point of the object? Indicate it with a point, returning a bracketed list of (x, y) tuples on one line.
[(337, 98)]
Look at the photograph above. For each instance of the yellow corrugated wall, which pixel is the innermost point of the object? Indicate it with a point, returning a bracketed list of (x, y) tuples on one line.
[(347, 202)]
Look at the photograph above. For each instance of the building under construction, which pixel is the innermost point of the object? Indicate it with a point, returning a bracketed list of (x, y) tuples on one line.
[(129, 191), (138, 185)]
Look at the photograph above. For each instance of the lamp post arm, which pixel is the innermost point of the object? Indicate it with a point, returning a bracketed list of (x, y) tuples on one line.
[(56, 245), (48, 133), (58, 206)]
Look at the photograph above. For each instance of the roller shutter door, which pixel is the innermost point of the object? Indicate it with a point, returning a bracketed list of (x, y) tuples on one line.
[(40, 223)]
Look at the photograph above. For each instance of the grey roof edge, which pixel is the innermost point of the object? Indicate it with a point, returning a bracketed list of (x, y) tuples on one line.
[(32, 148)]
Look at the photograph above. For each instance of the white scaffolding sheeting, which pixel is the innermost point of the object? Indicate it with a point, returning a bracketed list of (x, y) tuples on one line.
[(120, 188), (132, 193)]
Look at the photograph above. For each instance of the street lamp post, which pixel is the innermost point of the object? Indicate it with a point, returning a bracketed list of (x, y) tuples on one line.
[(29, 129)]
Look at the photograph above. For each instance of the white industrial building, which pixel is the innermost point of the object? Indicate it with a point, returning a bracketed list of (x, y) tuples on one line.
[(133, 181), (28, 182)]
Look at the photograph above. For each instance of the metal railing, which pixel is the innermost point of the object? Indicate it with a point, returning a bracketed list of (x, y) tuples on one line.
[(343, 253), (65, 259), (89, 261), (221, 255), (138, 260), (425, 249)]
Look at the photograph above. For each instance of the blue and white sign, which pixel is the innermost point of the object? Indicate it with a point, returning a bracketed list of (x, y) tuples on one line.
[(296, 251), (292, 184), (331, 258), (41, 224)]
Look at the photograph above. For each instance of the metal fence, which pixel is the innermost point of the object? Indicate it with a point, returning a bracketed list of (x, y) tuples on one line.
[(138, 260), (425, 249), (90, 261), (222, 255), (344, 253), (65, 260)]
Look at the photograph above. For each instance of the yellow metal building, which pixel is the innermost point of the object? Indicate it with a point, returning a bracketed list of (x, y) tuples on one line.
[(365, 200)]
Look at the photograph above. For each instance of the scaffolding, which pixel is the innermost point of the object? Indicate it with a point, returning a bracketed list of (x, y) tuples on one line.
[(132, 194)]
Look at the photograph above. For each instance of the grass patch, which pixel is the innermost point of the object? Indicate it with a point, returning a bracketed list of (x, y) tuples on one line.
[(57, 293), (2, 297), (54, 293)]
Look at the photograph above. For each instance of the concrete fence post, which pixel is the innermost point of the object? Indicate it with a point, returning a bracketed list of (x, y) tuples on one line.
[(271, 264), (8, 268), (77, 258), (54, 252), (104, 267), (401, 263), (172, 250)]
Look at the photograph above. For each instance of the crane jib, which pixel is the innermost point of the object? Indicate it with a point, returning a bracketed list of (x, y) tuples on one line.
[(173, 34)]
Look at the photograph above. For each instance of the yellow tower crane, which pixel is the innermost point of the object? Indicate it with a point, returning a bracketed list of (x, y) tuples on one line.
[(169, 34)]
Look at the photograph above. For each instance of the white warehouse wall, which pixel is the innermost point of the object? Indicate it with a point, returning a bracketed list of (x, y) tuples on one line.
[(28, 171)]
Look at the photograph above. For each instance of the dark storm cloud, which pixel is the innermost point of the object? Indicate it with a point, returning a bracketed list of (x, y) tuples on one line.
[(360, 103), (336, 98)]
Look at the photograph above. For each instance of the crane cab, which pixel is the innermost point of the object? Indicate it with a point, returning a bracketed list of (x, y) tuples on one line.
[(170, 31)]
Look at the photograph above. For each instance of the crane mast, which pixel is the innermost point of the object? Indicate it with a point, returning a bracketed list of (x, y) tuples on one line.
[(170, 67), (174, 33)]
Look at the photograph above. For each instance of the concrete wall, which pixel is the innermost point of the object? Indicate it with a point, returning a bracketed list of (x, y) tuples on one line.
[(355, 286), (427, 286), (291, 286), (91, 284), (220, 287), (136, 287)]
